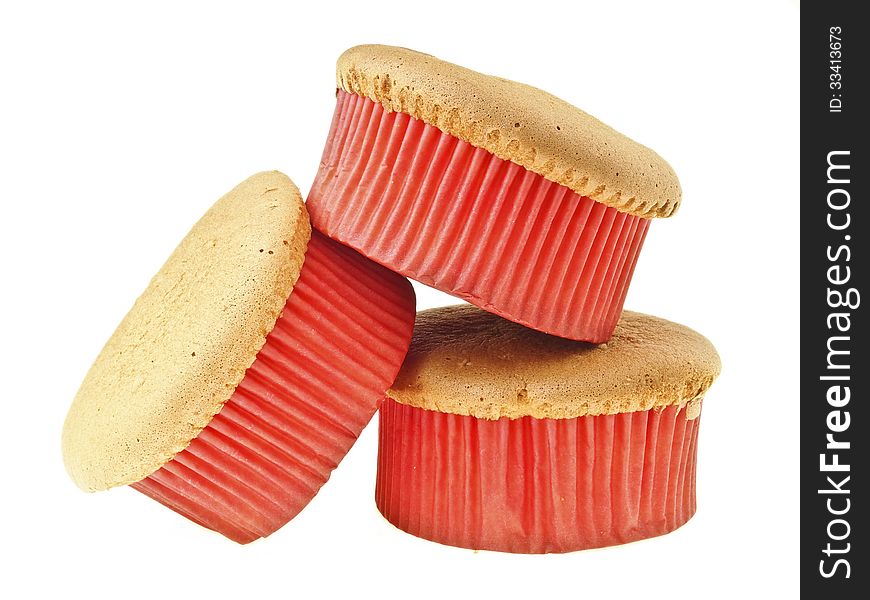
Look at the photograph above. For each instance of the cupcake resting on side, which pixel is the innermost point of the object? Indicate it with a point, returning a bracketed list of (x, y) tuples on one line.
[(245, 371), (498, 437)]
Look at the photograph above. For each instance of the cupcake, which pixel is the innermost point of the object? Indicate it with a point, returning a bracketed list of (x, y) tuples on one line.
[(245, 371), (490, 190), (498, 437)]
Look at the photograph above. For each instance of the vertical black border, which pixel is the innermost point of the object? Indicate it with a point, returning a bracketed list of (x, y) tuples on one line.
[(824, 131)]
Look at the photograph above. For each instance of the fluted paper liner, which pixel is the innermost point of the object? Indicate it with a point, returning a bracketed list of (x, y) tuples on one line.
[(437, 209), (536, 485), (314, 385)]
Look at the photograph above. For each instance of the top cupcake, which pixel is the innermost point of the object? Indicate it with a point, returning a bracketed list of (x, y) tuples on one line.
[(515, 122)]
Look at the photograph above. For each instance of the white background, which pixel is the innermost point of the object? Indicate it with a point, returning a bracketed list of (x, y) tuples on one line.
[(120, 126)]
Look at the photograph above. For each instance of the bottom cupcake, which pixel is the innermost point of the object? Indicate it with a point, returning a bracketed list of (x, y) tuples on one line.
[(498, 437)]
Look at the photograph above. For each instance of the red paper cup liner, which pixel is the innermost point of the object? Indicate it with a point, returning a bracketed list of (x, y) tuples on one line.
[(536, 485), (437, 209), (314, 385)]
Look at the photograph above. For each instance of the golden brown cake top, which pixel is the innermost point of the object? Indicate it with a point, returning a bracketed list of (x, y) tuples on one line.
[(180, 352), (467, 361), (515, 122)]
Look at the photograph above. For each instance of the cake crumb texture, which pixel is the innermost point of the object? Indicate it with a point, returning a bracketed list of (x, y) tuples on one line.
[(467, 361)]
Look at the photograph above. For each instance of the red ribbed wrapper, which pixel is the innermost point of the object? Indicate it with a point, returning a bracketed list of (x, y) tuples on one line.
[(439, 210), (536, 485), (314, 385)]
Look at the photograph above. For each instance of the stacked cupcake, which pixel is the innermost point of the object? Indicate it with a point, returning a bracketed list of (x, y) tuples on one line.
[(538, 417)]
